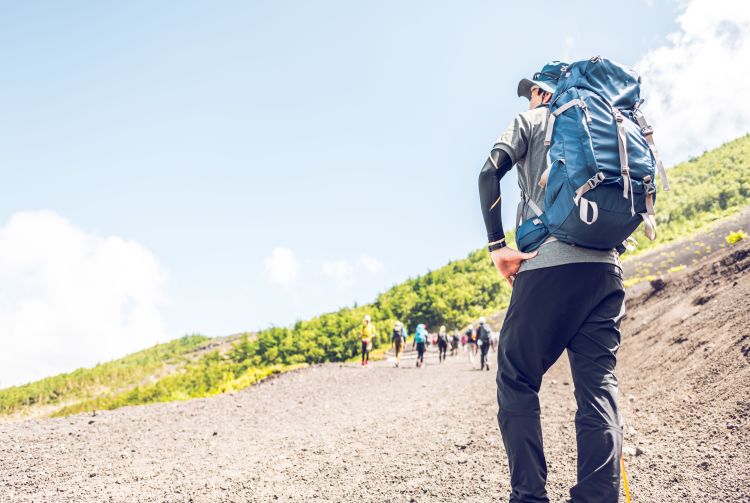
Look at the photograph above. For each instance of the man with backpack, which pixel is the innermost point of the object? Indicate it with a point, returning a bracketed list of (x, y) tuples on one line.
[(420, 342), (483, 338), (398, 339), (564, 297)]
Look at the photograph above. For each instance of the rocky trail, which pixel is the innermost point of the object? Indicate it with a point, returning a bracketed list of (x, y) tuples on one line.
[(340, 432)]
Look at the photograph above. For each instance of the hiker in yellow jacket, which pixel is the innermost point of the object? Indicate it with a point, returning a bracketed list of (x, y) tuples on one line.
[(368, 332)]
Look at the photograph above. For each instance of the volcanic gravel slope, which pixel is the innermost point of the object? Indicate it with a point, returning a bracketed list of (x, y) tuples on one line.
[(345, 433)]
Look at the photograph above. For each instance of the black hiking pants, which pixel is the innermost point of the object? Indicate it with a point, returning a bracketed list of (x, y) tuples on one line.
[(578, 308), (365, 352), (483, 351)]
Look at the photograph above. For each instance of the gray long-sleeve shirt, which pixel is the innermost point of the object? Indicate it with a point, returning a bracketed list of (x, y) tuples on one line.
[(523, 141)]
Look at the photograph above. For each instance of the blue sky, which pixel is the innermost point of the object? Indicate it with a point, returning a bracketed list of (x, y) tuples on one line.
[(211, 133)]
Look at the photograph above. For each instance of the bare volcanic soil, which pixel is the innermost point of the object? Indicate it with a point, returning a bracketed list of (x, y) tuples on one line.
[(346, 433)]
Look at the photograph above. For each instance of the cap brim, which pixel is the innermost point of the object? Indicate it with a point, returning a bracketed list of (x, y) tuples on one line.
[(525, 85)]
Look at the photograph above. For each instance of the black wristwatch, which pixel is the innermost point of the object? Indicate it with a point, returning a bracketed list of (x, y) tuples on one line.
[(496, 245)]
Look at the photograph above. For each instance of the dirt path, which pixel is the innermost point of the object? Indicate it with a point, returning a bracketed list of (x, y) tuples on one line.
[(344, 433)]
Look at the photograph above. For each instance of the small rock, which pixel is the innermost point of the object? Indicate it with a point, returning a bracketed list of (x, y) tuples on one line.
[(639, 451), (216, 433), (92, 421), (631, 398), (553, 381), (658, 284)]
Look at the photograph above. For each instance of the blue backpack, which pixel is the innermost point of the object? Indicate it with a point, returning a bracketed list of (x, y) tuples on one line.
[(600, 180)]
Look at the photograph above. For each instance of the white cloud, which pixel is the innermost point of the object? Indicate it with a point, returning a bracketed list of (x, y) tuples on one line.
[(344, 272), (341, 271), (568, 44), (282, 267), (70, 298), (696, 86), (370, 264)]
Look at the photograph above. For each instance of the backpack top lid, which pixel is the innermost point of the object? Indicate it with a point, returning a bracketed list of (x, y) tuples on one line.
[(618, 85)]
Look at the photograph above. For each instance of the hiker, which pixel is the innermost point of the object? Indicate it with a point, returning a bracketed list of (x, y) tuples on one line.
[(398, 338), (494, 341), (471, 342), (483, 339), (368, 332), (564, 297), (420, 342), (442, 344), (454, 343)]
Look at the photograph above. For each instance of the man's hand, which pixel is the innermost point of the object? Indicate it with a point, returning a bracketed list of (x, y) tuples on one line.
[(508, 260)]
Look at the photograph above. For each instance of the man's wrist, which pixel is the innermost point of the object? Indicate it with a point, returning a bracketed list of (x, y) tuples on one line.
[(496, 245)]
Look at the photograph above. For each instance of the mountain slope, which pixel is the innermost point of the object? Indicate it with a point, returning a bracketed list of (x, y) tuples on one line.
[(340, 432)]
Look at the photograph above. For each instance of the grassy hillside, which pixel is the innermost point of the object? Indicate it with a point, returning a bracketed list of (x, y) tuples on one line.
[(706, 188), (112, 376)]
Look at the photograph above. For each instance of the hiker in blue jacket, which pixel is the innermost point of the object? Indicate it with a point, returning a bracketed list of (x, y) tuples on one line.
[(564, 298), (420, 341)]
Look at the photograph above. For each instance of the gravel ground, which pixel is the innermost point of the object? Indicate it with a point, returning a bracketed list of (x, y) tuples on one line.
[(346, 433)]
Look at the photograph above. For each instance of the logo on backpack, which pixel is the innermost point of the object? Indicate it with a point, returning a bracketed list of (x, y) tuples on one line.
[(600, 181)]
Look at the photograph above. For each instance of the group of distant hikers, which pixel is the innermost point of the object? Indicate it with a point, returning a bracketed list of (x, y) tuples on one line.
[(475, 339)]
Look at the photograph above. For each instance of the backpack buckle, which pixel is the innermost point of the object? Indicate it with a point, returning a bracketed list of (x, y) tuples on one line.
[(649, 185), (617, 114), (595, 180), (647, 130)]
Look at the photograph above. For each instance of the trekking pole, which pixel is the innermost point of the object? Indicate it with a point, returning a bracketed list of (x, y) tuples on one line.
[(625, 480)]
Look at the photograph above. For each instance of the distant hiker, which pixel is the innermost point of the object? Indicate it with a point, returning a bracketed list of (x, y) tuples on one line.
[(420, 342), (483, 339), (368, 332), (564, 297), (463, 342), (454, 343), (398, 339), (494, 340), (442, 344), (471, 342)]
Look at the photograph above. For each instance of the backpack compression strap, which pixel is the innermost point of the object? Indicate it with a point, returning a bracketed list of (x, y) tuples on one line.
[(648, 133), (622, 144), (553, 116)]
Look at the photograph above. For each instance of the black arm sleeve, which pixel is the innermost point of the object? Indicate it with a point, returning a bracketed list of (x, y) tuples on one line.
[(497, 164)]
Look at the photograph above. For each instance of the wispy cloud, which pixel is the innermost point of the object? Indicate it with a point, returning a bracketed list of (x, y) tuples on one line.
[(71, 298), (345, 273), (282, 267), (568, 44), (370, 264), (341, 271), (696, 85)]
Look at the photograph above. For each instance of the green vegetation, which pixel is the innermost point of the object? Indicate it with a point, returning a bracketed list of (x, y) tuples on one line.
[(84, 383), (208, 376), (735, 237), (704, 189)]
